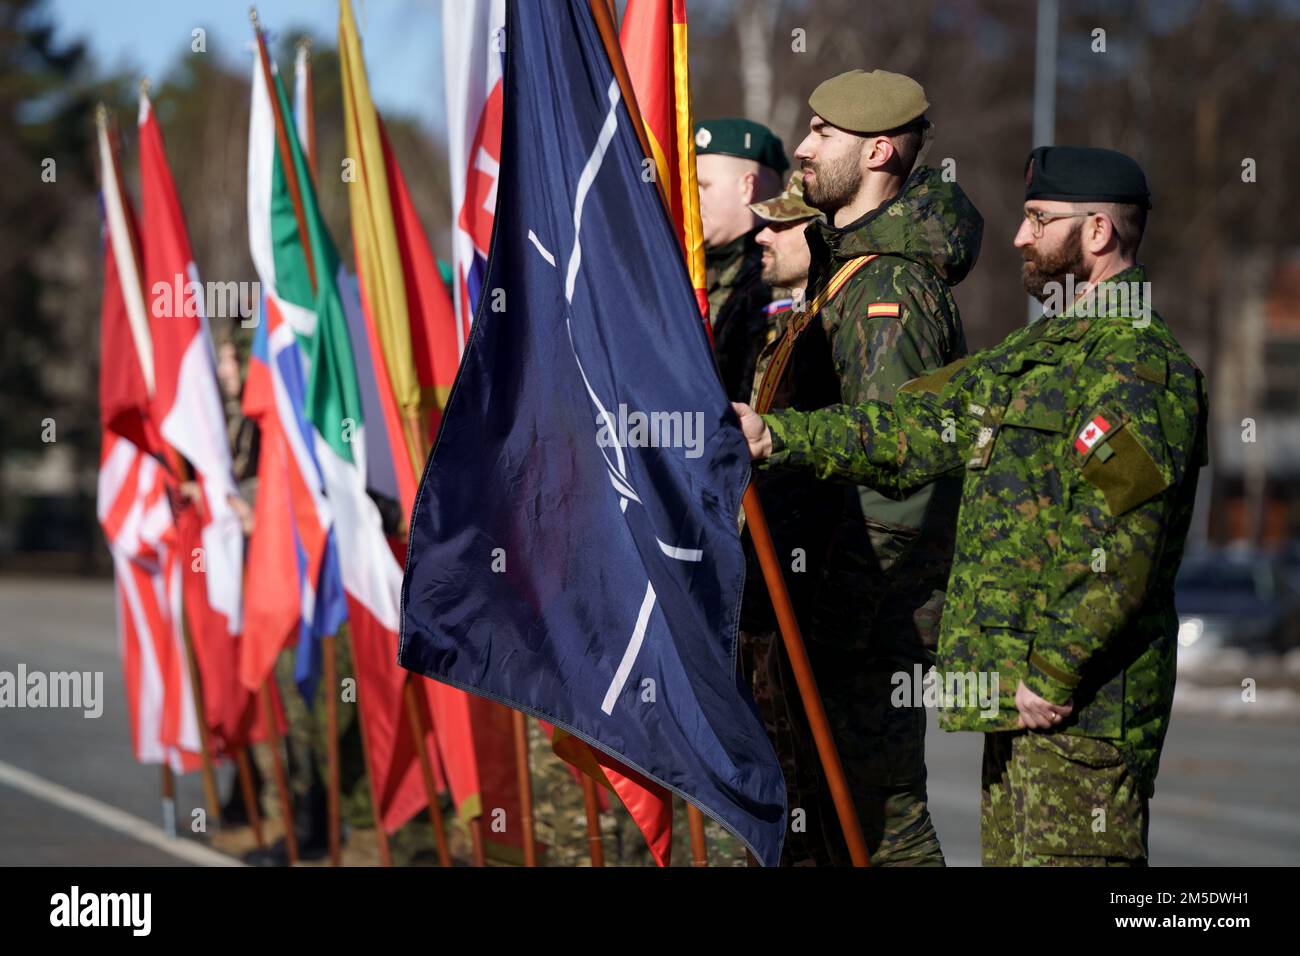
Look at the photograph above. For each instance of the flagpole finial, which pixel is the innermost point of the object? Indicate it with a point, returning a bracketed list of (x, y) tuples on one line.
[(304, 43), (144, 86), (101, 115), (252, 15)]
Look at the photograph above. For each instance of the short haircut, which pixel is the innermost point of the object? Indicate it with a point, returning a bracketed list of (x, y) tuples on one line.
[(907, 140), (1130, 221)]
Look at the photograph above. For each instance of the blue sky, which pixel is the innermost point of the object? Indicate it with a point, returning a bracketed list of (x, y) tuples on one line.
[(401, 39)]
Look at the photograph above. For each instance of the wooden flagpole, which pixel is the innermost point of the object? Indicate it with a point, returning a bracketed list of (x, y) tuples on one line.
[(595, 842), (249, 796), (523, 771), (794, 645), (329, 651), (196, 686), (273, 741), (419, 730), (381, 835), (333, 802), (282, 144)]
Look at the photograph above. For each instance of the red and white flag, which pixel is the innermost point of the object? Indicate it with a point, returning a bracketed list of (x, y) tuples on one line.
[(186, 404), (1092, 433), (473, 52), (133, 506)]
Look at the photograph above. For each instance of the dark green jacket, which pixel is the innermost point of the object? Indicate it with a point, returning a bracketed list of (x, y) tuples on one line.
[(737, 296), (876, 567), (1078, 442)]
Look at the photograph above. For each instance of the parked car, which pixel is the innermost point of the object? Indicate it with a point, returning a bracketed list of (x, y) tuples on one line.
[(1235, 600)]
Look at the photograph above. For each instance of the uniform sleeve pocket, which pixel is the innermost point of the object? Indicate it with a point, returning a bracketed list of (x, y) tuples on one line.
[(1126, 473)]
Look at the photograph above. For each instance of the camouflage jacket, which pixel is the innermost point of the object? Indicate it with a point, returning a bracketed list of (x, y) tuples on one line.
[(737, 296), (1078, 440), (876, 566)]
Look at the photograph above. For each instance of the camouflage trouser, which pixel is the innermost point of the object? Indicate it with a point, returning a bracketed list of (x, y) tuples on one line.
[(882, 748), (1059, 800), (560, 818)]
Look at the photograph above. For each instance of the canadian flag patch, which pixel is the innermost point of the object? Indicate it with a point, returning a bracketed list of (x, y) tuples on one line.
[(1092, 433)]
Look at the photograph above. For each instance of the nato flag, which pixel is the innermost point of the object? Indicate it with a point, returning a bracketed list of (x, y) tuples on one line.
[(574, 551)]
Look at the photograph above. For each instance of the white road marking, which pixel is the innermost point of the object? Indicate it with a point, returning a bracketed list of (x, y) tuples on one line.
[(111, 817)]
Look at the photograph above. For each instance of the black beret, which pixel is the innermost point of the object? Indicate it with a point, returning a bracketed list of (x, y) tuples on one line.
[(1085, 174)]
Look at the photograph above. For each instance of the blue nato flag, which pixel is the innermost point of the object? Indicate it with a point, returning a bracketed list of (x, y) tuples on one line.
[(574, 550)]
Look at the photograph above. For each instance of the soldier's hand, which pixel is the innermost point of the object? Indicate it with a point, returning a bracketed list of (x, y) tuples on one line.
[(757, 434), (1037, 713)]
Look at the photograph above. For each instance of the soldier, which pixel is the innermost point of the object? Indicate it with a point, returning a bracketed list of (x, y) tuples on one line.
[(738, 161), (784, 259), (867, 572), (1079, 440)]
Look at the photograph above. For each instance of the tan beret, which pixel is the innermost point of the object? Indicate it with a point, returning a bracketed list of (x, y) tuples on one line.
[(874, 102)]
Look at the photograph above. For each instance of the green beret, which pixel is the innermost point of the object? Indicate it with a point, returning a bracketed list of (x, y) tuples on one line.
[(788, 205), (874, 102), (1085, 174), (743, 138)]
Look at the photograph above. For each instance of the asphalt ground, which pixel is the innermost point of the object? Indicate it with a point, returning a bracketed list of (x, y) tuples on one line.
[(72, 794)]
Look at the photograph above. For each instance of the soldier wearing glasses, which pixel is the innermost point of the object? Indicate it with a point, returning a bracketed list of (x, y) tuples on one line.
[(1078, 441)]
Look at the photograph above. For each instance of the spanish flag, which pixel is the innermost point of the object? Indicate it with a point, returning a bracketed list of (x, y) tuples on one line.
[(653, 38)]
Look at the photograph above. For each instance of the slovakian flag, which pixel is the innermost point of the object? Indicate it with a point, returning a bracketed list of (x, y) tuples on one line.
[(574, 552), (654, 42), (473, 47), (409, 332), (133, 505)]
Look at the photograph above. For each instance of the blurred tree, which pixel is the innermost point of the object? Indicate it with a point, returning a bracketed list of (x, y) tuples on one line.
[(51, 253)]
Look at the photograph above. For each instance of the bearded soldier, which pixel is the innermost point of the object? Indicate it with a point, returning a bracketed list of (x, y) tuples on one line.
[(865, 572), (1077, 442)]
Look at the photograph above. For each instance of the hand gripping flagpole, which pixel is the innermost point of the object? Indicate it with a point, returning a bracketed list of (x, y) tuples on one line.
[(762, 538)]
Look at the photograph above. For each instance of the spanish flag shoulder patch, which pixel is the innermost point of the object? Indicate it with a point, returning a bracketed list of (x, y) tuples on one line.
[(884, 310)]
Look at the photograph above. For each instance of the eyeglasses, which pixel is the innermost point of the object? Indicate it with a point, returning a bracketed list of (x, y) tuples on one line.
[(1037, 219)]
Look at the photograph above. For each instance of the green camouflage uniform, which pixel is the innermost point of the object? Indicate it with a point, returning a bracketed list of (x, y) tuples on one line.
[(737, 295), (1078, 442), (870, 595)]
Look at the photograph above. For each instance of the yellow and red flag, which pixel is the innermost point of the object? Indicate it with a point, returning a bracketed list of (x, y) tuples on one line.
[(402, 294), (653, 38)]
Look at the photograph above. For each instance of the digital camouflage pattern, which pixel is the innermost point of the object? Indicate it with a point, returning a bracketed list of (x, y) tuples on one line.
[(737, 296), (1059, 800), (1068, 540), (866, 573)]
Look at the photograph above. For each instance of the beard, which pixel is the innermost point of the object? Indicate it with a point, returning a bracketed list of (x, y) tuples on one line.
[(775, 274), (834, 183), (1042, 269)]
